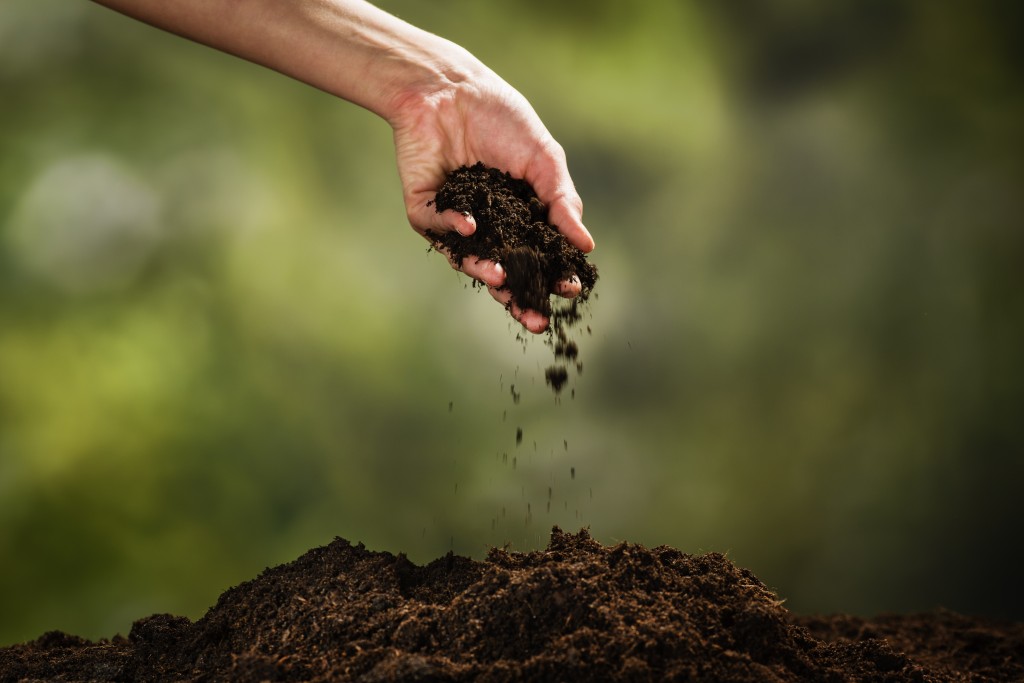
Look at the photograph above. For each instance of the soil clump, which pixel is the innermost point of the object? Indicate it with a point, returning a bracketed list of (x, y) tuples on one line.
[(512, 229), (577, 611)]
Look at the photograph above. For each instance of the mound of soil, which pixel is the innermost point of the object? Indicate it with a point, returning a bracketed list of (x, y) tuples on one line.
[(577, 611), (512, 229)]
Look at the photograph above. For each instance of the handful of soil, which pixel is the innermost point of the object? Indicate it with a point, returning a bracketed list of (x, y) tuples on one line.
[(512, 229), (577, 611)]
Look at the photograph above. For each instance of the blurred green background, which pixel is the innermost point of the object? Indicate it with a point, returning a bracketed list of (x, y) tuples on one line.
[(222, 345)]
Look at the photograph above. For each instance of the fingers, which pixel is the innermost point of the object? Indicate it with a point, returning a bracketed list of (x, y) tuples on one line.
[(569, 289), (484, 270), (426, 218), (533, 321), (492, 275), (462, 223), (488, 272)]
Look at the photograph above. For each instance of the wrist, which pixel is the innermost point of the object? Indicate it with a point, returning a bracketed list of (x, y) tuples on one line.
[(378, 61), (433, 70)]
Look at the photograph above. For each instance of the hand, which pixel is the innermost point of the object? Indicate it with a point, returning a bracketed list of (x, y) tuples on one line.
[(446, 108), (483, 119)]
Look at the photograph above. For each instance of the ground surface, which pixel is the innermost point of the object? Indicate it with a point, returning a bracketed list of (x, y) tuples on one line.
[(577, 611)]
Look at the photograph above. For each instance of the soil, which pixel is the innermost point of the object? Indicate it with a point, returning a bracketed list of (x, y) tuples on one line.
[(577, 611), (513, 229)]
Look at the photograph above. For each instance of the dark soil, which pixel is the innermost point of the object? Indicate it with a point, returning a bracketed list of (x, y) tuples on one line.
[(512, 229), (578, 611)]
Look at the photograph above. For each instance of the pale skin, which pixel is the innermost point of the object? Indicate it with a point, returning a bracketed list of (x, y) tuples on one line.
[(445, 107)]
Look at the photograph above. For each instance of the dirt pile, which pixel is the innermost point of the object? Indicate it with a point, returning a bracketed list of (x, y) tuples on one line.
[(577, 611), (512, 229)]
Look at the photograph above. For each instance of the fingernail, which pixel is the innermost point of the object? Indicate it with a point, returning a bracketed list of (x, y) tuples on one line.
[(467, 227)]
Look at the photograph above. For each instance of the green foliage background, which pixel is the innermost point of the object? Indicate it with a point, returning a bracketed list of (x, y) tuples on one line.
[(221, 344)]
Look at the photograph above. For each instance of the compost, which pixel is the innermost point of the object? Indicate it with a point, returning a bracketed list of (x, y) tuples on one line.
[(513, 230), (576, 611)]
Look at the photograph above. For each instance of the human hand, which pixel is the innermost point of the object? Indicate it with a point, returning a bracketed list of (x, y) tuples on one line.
[(484, 119), (445, 107)]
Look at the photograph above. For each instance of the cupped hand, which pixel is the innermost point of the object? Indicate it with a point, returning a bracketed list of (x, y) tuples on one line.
[(483, 119)]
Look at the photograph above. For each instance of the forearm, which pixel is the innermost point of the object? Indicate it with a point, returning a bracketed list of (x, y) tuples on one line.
[(345, 47)]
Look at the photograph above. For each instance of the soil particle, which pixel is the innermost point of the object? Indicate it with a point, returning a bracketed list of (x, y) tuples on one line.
[(512, 229), (577, 611), (556, 376)]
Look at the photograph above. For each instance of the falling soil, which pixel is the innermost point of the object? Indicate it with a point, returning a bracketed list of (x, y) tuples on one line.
[(577, 611), (512, 229)]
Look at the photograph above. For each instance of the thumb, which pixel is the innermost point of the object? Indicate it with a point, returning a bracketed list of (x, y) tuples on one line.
[(566, 213)]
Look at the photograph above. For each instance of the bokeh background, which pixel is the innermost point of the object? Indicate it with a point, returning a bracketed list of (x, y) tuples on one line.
[(221, 345)]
